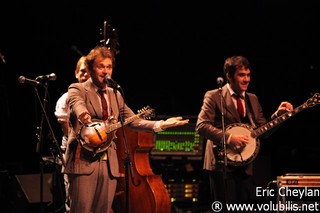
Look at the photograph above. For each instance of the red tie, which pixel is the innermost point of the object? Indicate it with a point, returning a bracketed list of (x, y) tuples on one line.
[(104, 105), (240, 106)]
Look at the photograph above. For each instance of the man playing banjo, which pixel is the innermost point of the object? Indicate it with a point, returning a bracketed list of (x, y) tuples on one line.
[(240, 112)]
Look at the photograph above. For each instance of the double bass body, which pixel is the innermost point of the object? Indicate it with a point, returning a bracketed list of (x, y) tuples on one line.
[(146, 191)]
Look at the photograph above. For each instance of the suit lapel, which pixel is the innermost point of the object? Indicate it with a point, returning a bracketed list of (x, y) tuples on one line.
[(93, 98), (250, 111), (113, 102)]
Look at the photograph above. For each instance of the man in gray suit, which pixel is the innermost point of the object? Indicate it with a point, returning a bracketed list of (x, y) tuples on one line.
[(232, 183), (93, 169)]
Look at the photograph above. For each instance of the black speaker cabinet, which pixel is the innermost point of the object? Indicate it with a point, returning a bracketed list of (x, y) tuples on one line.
[(25, 193)]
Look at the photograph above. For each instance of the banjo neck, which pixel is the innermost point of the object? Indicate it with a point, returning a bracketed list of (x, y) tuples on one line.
[(282, 118), (277, 121)]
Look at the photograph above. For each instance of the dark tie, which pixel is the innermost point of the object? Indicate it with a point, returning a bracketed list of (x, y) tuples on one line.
[(104, 104), (240, 106)]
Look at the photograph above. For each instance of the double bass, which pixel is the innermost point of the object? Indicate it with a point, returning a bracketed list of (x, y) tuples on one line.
[(142, 191)]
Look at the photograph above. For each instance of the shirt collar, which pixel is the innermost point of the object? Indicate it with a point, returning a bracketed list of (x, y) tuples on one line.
[(232, 92)]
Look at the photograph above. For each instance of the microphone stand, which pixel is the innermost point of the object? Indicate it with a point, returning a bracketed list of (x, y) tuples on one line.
[(225, 160), (39, 147), (127, 162)]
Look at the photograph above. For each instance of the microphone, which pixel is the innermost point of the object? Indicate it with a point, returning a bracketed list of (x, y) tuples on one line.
[(23, 80), (49, 77), (111, 82), (219, 82)]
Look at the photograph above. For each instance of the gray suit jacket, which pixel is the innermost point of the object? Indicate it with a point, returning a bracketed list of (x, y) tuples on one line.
[(209, 123), (83, 97)]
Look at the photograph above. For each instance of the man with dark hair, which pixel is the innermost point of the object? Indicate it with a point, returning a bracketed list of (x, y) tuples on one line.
[(233, 183)]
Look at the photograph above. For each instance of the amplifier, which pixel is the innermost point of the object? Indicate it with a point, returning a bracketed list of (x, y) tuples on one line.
[(299, 180), (183, 192)]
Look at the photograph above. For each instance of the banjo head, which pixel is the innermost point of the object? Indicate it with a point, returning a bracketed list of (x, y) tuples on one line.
[(240, 156)]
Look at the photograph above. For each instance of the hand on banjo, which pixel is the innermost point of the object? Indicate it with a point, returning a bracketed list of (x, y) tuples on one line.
[(283, 108), (238, 142)]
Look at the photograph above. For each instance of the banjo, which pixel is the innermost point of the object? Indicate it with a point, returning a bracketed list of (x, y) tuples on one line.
[(240, 156), (96, 137)]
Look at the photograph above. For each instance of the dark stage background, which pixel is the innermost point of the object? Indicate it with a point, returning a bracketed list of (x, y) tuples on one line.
[(170, 54)]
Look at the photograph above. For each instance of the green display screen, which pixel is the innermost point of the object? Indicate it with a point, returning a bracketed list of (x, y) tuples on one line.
[(180, 140)]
